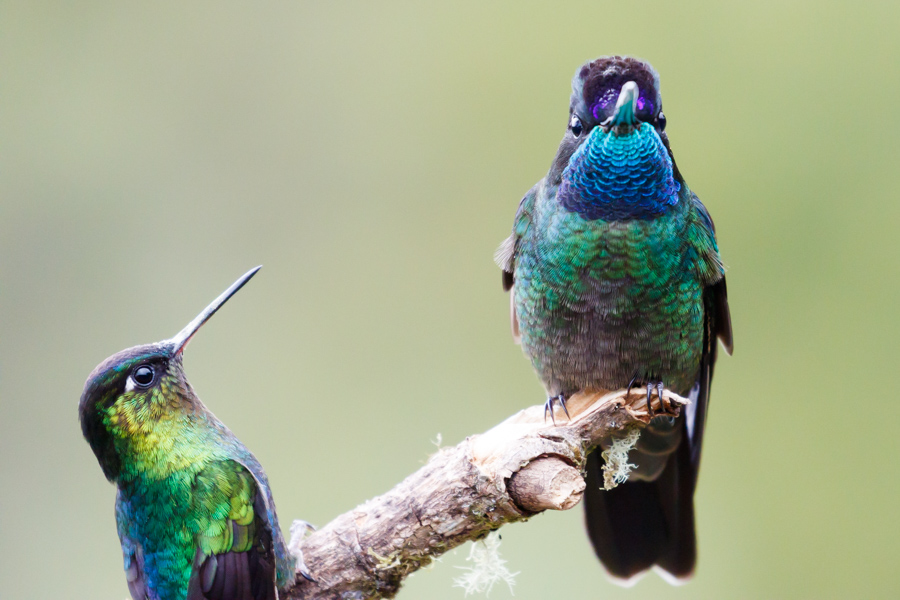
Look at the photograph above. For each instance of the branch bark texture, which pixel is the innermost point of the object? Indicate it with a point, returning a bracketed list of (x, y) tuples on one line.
[(519, 468)]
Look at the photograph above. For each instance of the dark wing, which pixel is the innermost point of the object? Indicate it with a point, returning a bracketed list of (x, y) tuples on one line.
[(717, 322), (235, 559), (718, 328)]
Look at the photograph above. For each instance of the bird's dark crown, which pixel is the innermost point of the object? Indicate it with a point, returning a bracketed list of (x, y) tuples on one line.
[(112, 373), (596, 87)]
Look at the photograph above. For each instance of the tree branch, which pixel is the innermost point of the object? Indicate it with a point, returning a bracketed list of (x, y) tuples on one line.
[(519, 468)]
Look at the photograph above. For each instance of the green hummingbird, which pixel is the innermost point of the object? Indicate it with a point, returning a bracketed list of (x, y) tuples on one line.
[(194, 510), (616, 281)]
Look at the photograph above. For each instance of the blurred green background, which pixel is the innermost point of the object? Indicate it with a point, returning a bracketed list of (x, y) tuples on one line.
[(371, 156)]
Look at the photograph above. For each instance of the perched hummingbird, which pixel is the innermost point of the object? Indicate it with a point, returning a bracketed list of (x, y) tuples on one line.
[(616, 282), (194, 510)]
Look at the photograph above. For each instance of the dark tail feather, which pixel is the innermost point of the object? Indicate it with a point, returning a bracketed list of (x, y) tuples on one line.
[(644, 523)]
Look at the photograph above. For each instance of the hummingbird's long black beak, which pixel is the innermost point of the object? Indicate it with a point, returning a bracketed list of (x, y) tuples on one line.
[(184, 336), (626, 107)]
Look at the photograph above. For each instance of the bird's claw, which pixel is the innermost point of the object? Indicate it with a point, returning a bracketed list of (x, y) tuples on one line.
[(548, 407), (663, 404)]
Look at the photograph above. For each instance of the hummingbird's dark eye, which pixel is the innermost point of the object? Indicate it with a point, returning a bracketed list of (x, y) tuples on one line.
[(576, 126), (661, 121), (143, 375)]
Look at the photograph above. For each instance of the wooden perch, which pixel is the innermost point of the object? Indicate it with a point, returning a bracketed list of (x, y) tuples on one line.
[(519, 468)]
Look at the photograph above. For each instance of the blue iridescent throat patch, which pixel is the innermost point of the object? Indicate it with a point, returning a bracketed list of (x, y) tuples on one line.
[(613, 177)]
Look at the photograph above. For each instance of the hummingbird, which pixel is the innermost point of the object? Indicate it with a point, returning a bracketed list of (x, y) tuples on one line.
[(194, 510), (616, 281)]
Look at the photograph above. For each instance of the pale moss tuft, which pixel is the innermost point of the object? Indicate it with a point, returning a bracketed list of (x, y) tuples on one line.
[(390, 561), (616, 467), (487, 567)]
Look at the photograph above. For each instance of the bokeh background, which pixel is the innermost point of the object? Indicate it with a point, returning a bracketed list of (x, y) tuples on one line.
[(371, 155)]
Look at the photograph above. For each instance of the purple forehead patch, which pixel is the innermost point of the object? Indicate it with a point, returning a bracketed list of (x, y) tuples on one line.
[(606, 100)]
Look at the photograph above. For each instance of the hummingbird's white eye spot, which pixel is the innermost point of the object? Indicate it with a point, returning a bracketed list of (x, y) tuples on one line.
[(576, 126), (141, 377), (661, 121)]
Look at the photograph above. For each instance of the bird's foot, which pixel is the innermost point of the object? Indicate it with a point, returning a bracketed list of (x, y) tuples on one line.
[(299, 531), (664, 405), (548, 407)]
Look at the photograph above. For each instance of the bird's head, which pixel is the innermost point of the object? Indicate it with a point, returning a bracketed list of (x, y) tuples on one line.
[(598, 85), (614, 161), (130, 393)]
